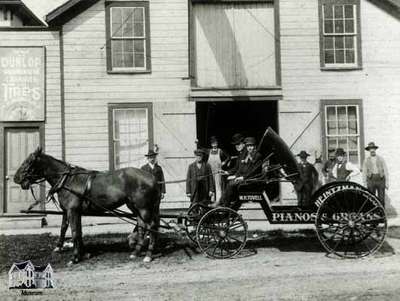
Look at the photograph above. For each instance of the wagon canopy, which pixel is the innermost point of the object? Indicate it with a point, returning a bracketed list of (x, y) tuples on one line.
[(273, 145)]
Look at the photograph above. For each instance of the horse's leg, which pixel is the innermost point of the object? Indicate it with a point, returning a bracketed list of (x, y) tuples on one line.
[(133, 238), (153, 233), (75, 219), (140, 239), (64, 227)]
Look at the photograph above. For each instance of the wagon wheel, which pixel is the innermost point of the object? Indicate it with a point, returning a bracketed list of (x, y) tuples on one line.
[(221, 233), (351, 223), (194, 214)]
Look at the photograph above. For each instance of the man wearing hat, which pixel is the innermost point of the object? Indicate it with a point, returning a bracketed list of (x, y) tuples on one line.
[(200, 185), (153, 168), (248, 167), (328, 167), (238, 142), (308, 180), (375, 172), (343, 170)]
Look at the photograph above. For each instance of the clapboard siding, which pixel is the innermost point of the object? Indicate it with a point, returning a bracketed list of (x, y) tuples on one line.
[(50, 40), (376, 84), (89, 89)]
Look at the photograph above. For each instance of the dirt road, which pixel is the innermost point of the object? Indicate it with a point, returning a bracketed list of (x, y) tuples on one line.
[(295, 268)]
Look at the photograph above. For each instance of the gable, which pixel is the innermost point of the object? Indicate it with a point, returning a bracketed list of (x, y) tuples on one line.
[(21, 11), (392, 7), (68, 11)]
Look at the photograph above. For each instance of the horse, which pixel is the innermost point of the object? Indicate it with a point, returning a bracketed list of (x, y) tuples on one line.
[(81, 191)]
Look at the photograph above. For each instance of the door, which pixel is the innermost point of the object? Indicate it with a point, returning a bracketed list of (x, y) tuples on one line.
[(19, 143)]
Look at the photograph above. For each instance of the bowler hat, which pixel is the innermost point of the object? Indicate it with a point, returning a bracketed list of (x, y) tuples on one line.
[(303, 154), (237, 138), (151, 153), (371, 145), (200, 152), (340, 152), (250, 141), (213, 139)]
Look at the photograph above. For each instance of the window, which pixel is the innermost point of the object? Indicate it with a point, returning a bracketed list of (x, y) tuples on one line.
[(340, 40), (128, 37), (342, 127), (131, 137)]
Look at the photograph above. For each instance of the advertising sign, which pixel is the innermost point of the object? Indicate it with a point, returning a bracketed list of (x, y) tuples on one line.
[(22, 81)]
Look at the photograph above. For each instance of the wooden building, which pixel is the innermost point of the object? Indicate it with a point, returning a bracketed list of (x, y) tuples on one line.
[(122, 76)]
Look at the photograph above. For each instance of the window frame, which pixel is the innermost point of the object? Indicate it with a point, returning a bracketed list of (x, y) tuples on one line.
[(147, 38), (343, 102), (127, 106), (357, 26)]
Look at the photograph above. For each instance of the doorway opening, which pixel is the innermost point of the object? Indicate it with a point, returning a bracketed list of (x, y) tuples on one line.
[(225, 118)]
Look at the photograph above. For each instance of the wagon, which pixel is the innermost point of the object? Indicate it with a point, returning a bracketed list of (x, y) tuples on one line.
[(350, 221)]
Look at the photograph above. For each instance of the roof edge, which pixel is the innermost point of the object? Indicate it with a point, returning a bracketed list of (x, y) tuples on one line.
[(67, 11), (32, 14), (392, 7)]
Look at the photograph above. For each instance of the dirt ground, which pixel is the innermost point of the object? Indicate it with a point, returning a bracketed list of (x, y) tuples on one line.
[(276, 265)]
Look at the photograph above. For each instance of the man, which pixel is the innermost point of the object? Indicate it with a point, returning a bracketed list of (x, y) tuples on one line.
[(238, 142), (343, 170), (375, 173), (328, 167), (308, 180), (217, 158), (200, 185), (248, 167), (153, 168)]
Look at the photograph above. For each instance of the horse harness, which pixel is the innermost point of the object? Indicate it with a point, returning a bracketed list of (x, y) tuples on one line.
[(61, 185)]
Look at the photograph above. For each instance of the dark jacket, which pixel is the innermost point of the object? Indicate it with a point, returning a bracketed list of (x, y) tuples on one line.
[(308, 174), (199, 182), (249, 166), (158, 174), (236, 161)]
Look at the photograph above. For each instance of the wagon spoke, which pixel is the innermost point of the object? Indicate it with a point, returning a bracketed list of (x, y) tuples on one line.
[(218, 243), (380, 219), (235, 239), (368, 212), (365, 244), (235, 226), (208, 247), (362, 207)]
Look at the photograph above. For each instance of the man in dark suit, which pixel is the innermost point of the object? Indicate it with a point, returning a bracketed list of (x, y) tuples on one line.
[(233, 164), (248, 167), (308, 180), (200, 185), (153, 168)]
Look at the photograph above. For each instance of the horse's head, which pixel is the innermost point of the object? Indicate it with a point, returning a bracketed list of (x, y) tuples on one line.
[(29, 171)]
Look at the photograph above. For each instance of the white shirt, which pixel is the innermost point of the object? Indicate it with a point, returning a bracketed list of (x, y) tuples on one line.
[(354, 171)]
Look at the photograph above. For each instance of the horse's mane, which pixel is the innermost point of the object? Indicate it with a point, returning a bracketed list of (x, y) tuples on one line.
[(72, 167)]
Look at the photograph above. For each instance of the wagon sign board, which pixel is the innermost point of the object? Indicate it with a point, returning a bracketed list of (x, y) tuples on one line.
[(22, 94)]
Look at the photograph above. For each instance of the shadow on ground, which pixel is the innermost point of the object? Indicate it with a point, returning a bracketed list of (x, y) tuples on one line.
[(113, 249)]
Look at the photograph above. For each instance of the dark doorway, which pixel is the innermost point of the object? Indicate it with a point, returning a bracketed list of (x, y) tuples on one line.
[(225, 118)]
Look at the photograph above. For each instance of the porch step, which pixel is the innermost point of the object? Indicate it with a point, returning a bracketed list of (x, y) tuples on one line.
[(25, 222)]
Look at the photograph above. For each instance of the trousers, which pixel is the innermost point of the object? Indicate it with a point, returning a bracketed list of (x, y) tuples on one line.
[(376, 185)]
